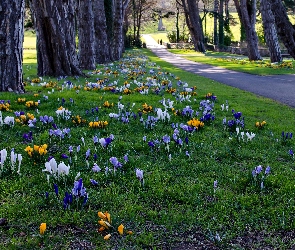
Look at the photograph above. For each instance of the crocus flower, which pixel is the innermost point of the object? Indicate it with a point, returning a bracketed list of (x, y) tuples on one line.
[(267, 170), (215, 184), (63, 169), (96, 168), (125, 158), (55, 189), (107, 237), (121, 229), (139, 174), (42, 228), (94, 182)]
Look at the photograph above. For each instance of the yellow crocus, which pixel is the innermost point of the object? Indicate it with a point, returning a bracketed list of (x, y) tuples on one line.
[(121, 229), (36, 148), (101, 215), (107, 237), (42, 228)]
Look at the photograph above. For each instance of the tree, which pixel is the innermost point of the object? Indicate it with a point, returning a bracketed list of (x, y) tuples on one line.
[(117, 41), (11, 45), (221, 23), (102, 50), (193, 21), (215, 16), (270, 32), (86, 34), (247, 14), (285, 28), (56, 33)]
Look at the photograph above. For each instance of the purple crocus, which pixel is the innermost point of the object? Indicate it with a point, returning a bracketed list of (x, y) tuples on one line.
[(166, 139), (55, 189), (94, 182), (115, 162), (267, 170), (64, 156), (68, 199), (125, 158), (87, 154)]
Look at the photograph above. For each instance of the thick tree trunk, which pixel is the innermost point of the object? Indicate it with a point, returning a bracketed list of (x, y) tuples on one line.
[(247, 14), (86, 35), (193, 21), (285, 29), (102, 50), (11, 45), (117, 41), (55, 29), (270, 32)]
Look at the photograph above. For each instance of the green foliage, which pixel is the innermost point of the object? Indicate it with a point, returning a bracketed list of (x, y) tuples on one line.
[(184, 37)]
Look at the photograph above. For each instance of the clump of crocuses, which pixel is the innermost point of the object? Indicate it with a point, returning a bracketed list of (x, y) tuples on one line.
[(259, 175)]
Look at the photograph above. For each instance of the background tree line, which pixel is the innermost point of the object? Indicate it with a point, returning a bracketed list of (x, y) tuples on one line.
[(100, 26)]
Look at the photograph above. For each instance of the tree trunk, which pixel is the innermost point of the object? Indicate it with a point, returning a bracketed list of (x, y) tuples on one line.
[(117, 39), (215, 33), (55, 29), (86, 35), (221, 23), (102, 50), (247, 15), (270, 32), (285, 29), (11, 45), (194, 23)]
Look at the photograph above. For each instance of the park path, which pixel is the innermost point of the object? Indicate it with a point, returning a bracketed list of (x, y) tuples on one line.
[(280, 88)]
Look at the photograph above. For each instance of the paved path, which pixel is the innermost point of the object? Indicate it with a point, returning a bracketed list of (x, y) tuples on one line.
[(277, 87)]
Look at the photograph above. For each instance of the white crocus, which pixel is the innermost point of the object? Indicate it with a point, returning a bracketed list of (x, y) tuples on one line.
[(9, 120), (63, 169), (19, 158), (250, 136), (13, 157), (53, 165), (47, 168), (3, 154), (1, 120)]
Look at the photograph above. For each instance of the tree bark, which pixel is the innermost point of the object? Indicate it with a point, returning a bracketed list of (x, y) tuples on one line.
[(270, 32), (285, 29), (117, 41), (11, 45), (56, 45), (247, 13), (193, 21), (102, 50), (86, 35), (215, 33), (221, 23)]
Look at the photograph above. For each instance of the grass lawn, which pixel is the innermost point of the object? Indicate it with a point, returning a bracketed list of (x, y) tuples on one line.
[(175, 158), (238, 62)]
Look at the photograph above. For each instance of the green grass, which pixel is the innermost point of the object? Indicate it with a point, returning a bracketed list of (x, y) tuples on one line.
[(178, 202), (30, 40), (238, 62)]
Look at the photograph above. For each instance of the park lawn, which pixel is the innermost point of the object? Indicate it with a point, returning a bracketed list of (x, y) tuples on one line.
[(238, 62), (177, 204)]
